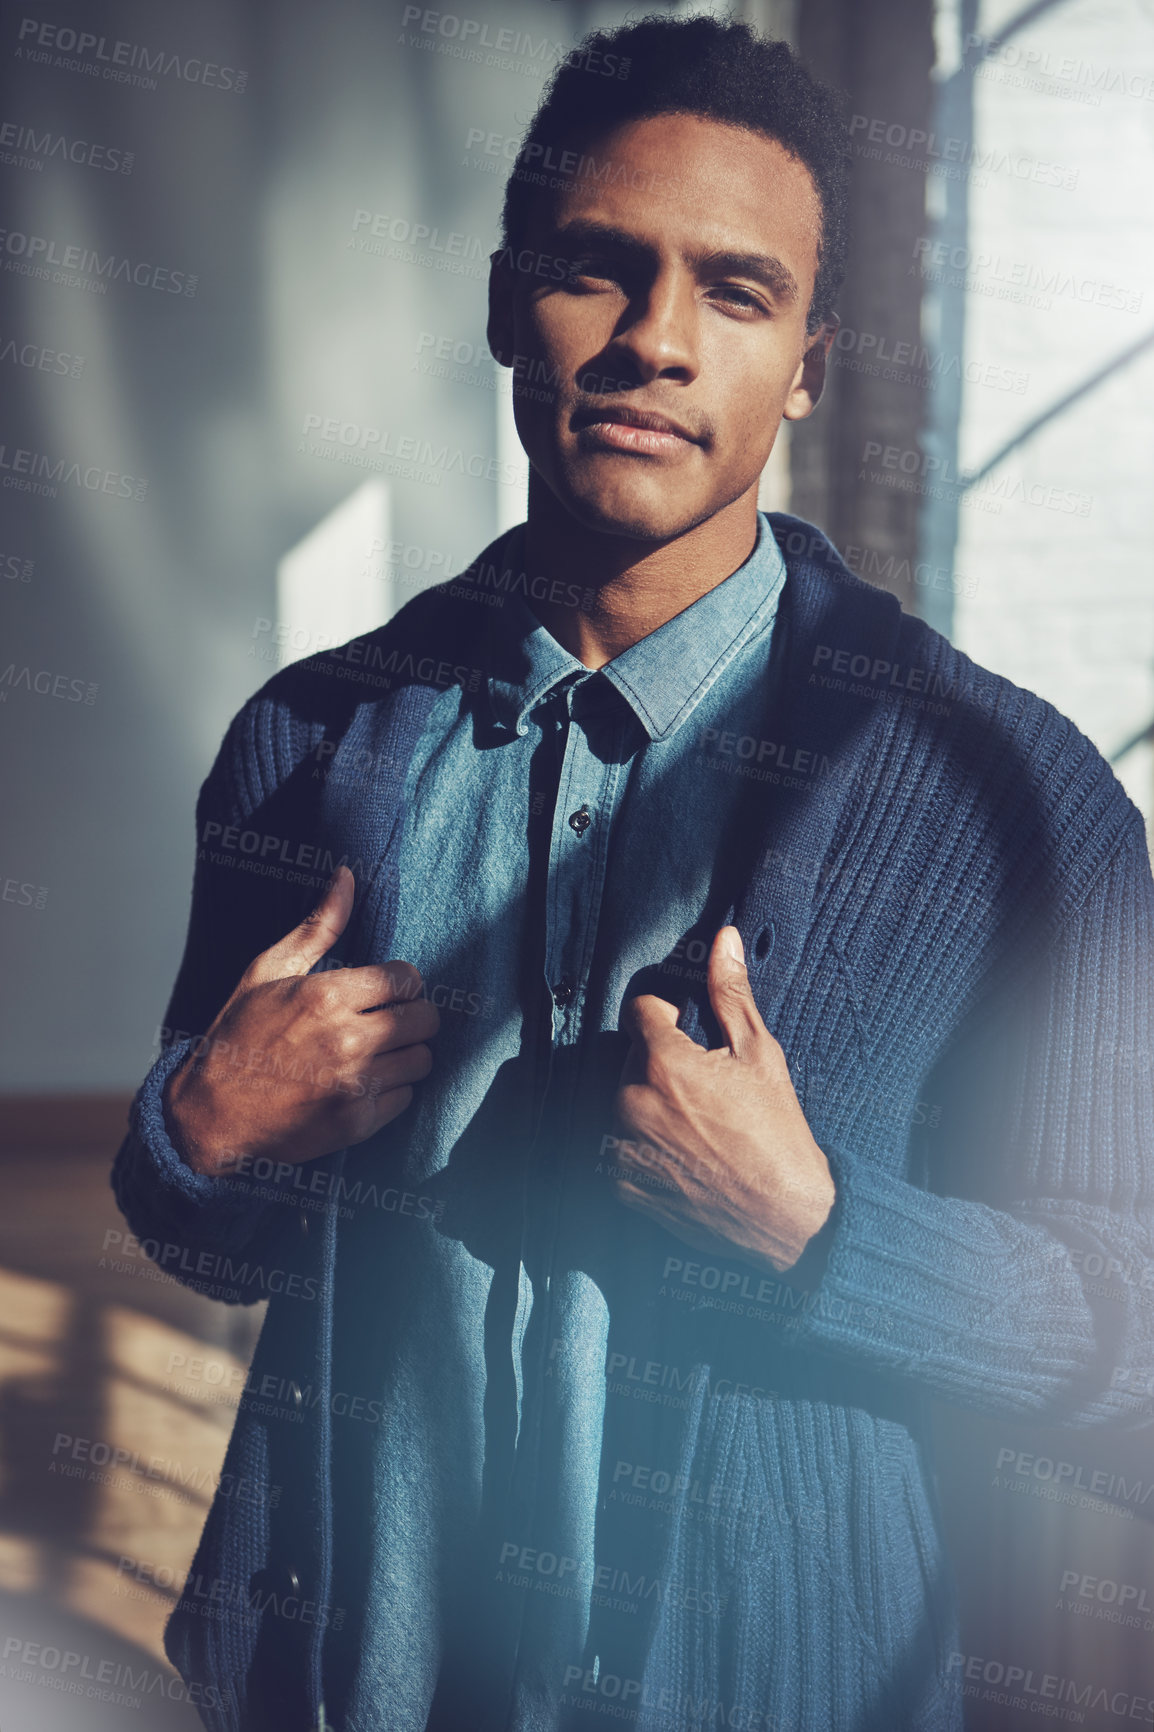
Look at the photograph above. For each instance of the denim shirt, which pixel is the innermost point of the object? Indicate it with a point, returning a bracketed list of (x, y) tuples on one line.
[(564, 829)]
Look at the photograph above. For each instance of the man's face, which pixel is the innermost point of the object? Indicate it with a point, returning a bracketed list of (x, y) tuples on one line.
[(677, 285)]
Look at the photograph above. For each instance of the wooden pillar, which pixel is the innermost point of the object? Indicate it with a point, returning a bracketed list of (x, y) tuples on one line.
[(879, 54)]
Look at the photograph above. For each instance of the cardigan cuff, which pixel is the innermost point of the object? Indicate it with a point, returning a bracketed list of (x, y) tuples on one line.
[(155, 1184), (968, 1300)]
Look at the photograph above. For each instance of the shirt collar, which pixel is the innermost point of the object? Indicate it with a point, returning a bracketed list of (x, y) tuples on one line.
[(662, 677)]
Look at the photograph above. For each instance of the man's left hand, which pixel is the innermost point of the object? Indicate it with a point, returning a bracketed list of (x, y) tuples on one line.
[(719, 1142)]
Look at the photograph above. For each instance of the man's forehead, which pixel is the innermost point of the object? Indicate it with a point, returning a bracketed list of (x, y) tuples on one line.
[(685, 175)]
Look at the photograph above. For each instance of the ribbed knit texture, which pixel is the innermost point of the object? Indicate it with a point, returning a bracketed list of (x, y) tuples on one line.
[(955, 918)]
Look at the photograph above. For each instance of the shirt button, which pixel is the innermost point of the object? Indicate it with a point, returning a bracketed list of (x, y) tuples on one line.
[(580, 820), (564, 991), (282, 1581)]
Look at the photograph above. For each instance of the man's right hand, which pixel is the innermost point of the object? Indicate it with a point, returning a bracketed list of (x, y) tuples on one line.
[(297, 1064)]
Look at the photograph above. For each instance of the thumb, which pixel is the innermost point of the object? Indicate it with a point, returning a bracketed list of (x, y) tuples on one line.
[(299, 949), (730, 993)]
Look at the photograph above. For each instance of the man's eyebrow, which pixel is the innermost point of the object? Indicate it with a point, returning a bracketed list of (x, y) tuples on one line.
[(763, 268)]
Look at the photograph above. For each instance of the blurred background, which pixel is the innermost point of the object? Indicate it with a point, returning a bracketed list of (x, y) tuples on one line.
[(248, 409)]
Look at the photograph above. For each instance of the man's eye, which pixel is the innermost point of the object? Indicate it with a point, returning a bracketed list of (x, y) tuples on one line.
[(590, 267), (741, 297)]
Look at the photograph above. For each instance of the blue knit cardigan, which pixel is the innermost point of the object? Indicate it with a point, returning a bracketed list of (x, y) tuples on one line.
[(953, 921)]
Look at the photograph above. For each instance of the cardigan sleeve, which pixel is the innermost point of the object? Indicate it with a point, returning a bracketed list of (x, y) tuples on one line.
[(1035, 1298), (232, 1237)]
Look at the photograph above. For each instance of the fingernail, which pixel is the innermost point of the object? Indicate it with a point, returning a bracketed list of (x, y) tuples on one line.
[(732, 945)]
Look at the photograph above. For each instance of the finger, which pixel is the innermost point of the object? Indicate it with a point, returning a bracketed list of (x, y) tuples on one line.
[(731, 995), (392, 1070), (304, 946), (370, 1114), (646, 1016), (377, 985), (399, 1025)]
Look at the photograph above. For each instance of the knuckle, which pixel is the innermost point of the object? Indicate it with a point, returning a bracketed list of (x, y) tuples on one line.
[(416, 1020), (348, 1041), (380, 980), (422, 1059), (393, 1102), (401, 980), (359, 1121), (325, 990)]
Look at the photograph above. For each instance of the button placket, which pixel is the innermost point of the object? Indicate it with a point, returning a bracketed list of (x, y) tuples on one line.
[(572, 877)]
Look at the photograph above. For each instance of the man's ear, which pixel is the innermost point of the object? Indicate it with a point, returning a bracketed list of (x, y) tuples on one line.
[(809, 380), (499, 330)]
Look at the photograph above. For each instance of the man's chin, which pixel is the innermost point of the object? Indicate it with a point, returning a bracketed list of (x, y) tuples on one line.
[(652, 520)]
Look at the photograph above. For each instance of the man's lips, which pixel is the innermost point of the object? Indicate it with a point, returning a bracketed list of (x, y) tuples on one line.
[(628, 429)]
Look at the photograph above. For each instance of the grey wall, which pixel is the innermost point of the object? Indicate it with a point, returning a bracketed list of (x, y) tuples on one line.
[(153, 601)]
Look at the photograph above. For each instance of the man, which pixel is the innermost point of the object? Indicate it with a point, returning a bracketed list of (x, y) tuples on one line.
[(609, 1270)]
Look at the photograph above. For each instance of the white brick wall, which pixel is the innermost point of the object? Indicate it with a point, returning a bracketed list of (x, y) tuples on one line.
[(1064, 602)]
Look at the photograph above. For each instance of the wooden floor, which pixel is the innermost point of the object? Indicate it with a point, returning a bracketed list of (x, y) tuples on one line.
[(99, 1352)]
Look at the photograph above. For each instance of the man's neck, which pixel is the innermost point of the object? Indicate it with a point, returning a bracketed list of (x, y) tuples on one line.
[(629, 587)]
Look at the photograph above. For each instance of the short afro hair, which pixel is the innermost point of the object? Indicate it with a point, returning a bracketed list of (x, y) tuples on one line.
[(719, 69)]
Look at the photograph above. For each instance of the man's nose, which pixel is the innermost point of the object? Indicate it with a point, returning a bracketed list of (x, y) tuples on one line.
[(660, 330)]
